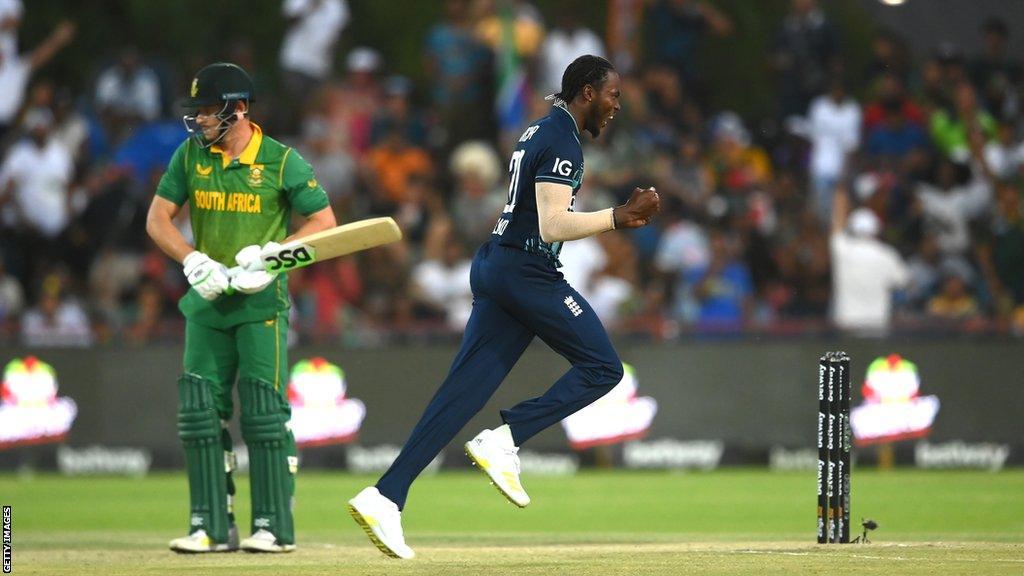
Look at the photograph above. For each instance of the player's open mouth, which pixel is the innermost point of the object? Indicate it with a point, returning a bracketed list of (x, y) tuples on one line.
[(606, 121)]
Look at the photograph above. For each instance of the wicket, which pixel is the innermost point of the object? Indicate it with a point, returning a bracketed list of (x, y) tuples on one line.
[(834, 448)]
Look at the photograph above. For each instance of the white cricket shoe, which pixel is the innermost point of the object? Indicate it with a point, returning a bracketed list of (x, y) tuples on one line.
[(199, 542), (500, 461), (264, 541), (381, 519)]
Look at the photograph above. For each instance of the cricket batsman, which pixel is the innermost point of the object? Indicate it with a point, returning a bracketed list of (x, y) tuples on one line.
[(241, 188), (518, 293)]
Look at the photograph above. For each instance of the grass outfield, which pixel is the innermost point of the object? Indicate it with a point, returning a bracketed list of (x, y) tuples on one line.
[(725, 522)]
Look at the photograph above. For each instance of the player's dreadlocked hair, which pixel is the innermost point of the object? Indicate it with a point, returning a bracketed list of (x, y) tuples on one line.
[(584, 70)]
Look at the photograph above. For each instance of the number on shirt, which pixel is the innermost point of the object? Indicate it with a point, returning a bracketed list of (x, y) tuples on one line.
[(513, 186)]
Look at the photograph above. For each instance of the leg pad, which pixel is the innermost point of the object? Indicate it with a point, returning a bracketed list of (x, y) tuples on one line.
[(199, 428), (272, 457)]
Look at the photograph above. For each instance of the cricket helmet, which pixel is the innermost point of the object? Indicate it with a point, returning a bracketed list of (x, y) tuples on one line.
[(223, 84), (219, 83)]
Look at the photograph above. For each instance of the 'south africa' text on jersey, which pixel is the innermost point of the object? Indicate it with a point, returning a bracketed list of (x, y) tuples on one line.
[(228, 201)]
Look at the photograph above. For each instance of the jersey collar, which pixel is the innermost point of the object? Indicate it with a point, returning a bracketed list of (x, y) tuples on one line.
[(562, 106), (248, 155)]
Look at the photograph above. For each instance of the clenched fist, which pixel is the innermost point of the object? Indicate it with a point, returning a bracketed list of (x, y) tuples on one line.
[(639, 209)]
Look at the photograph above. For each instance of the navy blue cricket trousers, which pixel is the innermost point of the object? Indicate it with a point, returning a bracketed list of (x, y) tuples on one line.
[(516, 296)]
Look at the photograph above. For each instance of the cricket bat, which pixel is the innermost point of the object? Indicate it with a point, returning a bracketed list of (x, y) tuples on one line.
[(327, 244)]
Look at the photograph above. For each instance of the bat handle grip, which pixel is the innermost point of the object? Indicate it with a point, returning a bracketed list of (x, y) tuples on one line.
[(232, 272)]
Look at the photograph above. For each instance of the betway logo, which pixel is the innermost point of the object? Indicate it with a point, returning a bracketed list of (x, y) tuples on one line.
[(379, 458), (959, 454), (103, 460), (670, 453), (537, 463)]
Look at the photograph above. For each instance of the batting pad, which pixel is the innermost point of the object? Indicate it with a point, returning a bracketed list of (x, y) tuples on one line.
[(200, 431), (272, 457)]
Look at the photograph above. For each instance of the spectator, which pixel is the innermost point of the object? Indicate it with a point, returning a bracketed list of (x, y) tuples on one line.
[(156, 269), (804, 55), (11, 12), (625, 20), (951, 61), (355, 102), (460, 70), (833, 127), (614, 159), (954, 300), (1001, 251), (334, 167), (672, 111), (397, 111), (389, 166), (677, 27), (949, 206), (326, 118), (388, 305), (1005, 154), (479, 197), (149, 305), (307, 50), (891, 98), (568, 40), (15, 71), (804, 263), (865, 270), (889, 56), (924, 267), (113, 275), (514, 30), (951, 132), (683, 245), (441, 281), (581, 261), (615, 285), (602, 269), (34, 192), (735, 164), (690, 176), (719, 295), (128, 93), (997, 74), (933, 92), (12, 297), (325, 296), (419, 208), (71, 128), (894, 130), (57, 320), (272, 108)]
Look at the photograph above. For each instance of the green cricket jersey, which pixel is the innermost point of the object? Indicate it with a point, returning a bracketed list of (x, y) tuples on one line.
[(237, 203)]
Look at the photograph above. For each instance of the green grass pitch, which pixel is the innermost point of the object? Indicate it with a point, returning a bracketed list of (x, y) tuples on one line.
[(733, 521)]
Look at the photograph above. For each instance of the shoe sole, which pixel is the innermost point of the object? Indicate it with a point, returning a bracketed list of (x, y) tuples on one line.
[(365, 525), (213, 551), (276, 549), (479, 466)]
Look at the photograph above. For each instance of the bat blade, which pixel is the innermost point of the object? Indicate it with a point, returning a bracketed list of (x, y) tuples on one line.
[(327, 244)]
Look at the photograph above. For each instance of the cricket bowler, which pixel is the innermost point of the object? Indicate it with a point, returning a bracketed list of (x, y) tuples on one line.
[(241, 188), (518, 293)]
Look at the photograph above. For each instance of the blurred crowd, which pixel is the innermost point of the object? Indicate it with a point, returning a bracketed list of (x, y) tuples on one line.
[(871, 200)]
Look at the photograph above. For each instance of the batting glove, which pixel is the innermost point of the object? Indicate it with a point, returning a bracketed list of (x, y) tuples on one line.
[(251, 257), (206, 276), (251, 281)]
